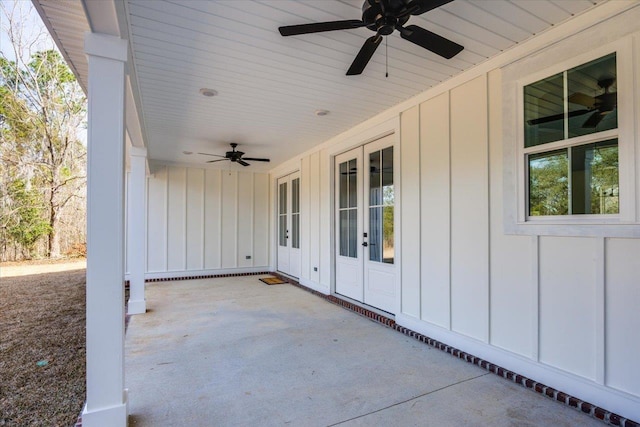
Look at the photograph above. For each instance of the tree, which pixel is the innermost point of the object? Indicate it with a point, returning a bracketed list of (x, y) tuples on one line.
[(27, 225), (42, 110)]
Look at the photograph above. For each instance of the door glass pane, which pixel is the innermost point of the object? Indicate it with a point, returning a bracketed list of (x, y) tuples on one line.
[(344, 233), (387, 176), (295, 196), (282, 230), (283, 198), (387, 235), (381, 200), (353, 233), (375, 234), (375, 192), (544, 111), (592, 96), (594, 178), (343, 190), (353, 183), (295, 230), (549, 183)]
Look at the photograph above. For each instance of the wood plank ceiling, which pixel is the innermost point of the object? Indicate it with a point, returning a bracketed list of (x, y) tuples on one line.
[(270, 86)]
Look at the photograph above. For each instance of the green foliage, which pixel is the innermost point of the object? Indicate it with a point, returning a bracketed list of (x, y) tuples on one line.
[(594, 180), (42, 110), (27, 223), (549, 184)]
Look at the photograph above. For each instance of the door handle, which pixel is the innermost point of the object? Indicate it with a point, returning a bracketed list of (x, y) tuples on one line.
[(365, 244)]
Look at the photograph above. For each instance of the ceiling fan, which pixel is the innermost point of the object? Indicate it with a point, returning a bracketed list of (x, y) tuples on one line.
[(234, 156), (599, 106), (383, 17)]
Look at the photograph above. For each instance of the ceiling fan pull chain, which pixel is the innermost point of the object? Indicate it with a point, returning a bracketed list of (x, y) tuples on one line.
[(386, 57)]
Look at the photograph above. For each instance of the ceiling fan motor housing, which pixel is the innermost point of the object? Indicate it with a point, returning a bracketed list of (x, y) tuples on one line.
[(383, 18)]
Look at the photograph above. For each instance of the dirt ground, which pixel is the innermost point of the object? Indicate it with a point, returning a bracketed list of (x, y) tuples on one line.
[(42, 343)]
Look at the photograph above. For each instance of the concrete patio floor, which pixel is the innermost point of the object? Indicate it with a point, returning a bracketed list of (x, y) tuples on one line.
[(236, 352)]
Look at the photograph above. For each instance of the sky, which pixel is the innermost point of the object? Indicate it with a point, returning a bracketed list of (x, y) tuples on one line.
[(30, 24)]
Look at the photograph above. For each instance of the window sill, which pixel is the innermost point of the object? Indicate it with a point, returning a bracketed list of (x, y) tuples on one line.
[(574, 227)]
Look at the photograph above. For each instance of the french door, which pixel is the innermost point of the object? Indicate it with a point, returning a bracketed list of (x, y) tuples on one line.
[(289, 224), (365, 210)]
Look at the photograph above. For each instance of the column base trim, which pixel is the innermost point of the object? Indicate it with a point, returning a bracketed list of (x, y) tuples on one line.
[(136, 306), (113, 416)]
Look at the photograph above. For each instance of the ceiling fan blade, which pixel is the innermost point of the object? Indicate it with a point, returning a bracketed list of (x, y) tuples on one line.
[(594, 120), (251, 159), (366, 52), (319, 27), (582, 99), (554, 117), (219, 160), (242, 162), (418, 7), (430, 41), (207, 154)]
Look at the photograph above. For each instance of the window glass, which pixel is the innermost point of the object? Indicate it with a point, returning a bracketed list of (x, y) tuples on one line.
[(375, 192), (282, 230), (295, 230), (344, 191), (283, 198), (295, 195), (344, 233), (375, 234), (387, 235), (594, 178), (573, 179), (592, 98), (549, 183), (544, 111), (353, 233), (381, 201), (352, 175)]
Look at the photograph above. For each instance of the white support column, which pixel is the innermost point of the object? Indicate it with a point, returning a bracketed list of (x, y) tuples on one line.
[(106, 397), (136, 236)]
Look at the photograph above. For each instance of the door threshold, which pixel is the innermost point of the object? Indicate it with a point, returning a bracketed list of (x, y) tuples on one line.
[(288, 276)]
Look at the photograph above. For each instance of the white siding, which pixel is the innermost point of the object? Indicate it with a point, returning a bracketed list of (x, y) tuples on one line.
[(205, 220), (229, 219), (305, 226), (212, 216), (435, 209), (561, 310), (245, 220), (567, 303), (157, 221), (513, 325), (176, 223), (261, 220), (194, 220), (622, 319), (469, 210), (314, 216), (410, 212)]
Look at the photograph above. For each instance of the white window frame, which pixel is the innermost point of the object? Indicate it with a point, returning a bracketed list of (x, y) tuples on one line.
[(622, 224)]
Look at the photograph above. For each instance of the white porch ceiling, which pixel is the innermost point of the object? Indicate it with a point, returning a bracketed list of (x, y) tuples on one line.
[(270, 86)]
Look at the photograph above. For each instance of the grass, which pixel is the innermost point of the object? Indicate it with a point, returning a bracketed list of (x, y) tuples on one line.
[(42, 318)]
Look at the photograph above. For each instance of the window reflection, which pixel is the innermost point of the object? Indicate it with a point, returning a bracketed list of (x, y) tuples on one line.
[(381, 201)]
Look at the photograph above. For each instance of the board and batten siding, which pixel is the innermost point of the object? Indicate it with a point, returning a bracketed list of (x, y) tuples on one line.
[(206, 220), (551, 307)]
